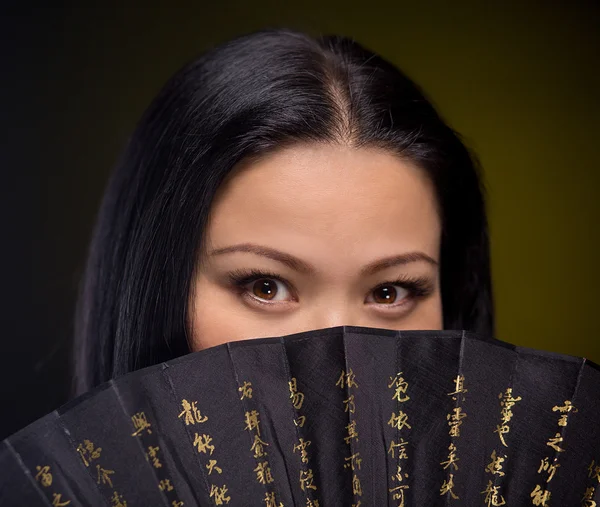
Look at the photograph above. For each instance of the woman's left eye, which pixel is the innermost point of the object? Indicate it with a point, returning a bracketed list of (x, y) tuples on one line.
[(388, 294)]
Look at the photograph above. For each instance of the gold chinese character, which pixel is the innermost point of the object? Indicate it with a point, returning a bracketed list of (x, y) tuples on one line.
[(356, 488), (104, 475), (44, 476), (502, 430), (452, 459), (492, 496), (540, 496), (567, 407), (399, 421), (263, 473), (547, 467), (270, 500), (447, 487), (495, 467), (354, 461), (140, 423), (203, 443), (152, 454), (246, 390), (300, 421), (352, 432), (459, 387), (57, 500), (594, 471), (455, 420), (212, 465), (175, 503), (350, 407), (258, 447), (301, 446), (401, 452), (191, 413), (219, 494), (348, 378), (588, 498), (88, 452), (507, 401), (252, 421), (165, 485), (398, 494), (398, 476), (553, 442), (401, 386), (296, 396), (313, 503), (506, 414), (117, 500), (306, 480)]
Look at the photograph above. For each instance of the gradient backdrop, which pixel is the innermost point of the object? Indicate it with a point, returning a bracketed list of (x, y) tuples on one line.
[(520, 82)]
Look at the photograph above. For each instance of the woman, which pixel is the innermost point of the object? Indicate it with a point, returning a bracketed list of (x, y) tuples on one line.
[(278, 184)]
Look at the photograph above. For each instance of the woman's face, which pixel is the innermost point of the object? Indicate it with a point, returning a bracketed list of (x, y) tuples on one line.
[(318, 236)]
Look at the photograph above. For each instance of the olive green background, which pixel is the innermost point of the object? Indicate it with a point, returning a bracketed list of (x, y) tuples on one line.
[(519, 82)]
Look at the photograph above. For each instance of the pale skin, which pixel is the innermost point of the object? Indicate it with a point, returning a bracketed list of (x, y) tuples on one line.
[(334, 228)]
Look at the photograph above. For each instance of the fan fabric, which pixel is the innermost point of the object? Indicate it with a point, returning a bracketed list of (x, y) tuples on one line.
[(343, 416)]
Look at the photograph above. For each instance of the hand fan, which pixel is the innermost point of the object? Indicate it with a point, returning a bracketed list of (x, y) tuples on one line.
[(345, 416)]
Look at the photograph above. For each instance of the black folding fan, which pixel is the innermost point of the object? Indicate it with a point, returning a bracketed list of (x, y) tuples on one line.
[(344, 416)]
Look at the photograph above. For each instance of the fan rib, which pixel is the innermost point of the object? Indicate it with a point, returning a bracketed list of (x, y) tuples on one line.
[(350, 417), (27, 473), (72, 447), (167, 376), (115, 389), (563, 430), (297, 429)]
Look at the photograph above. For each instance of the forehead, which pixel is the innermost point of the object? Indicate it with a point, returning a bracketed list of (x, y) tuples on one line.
[(326, 197)]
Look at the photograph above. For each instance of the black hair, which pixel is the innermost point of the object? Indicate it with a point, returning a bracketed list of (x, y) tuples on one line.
[(252, 95)]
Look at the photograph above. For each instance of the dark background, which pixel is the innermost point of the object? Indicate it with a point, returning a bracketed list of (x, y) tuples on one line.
[(520, 82)]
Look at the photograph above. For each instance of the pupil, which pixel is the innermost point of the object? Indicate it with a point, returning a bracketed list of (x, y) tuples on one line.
[(265, 289), (385, 294)]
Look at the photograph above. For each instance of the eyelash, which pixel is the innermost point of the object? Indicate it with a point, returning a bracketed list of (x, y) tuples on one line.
[(418, 287)]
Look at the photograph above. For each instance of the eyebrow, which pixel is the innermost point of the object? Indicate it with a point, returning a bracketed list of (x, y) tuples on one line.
[(304, 267)]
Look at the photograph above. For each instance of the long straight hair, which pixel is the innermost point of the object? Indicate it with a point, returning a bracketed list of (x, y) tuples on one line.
[(252, 95)]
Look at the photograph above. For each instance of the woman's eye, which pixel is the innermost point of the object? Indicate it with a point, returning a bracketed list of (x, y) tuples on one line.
[(388, 294), (269, 289)]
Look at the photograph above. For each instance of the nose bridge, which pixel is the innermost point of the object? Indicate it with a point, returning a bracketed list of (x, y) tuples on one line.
[(333, 313)]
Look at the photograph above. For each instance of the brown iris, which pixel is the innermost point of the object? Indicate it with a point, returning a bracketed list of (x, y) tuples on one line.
[(264, 288), (385, 294)]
